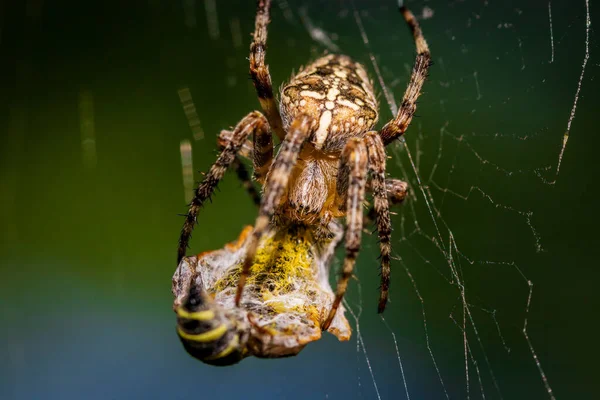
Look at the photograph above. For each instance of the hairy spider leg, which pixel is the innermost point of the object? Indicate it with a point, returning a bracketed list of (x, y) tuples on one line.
[(376, 153), (351, 184), (246, 181), (396, 127), (396, 190), (251, 123), (259, 71), (262, 155), (259, 150)]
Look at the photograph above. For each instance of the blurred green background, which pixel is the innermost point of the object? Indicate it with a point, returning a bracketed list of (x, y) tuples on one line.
[(91, 185)]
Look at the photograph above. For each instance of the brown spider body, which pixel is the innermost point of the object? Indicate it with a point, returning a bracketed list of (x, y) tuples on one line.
[(335, 93), (328, 160)]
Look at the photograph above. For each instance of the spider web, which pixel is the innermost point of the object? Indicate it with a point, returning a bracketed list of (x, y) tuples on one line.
[(479, 158), (433, 174)]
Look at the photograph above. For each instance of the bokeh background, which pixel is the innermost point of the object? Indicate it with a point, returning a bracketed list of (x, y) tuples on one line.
[(91, 185)]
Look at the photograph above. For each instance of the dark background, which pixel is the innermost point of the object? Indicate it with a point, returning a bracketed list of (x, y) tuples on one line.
[(88, 240)]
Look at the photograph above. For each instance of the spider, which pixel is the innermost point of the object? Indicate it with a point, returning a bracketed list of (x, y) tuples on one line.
[(328, 152)]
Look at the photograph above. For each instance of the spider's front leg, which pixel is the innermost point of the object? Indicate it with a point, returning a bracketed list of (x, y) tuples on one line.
[(255, 123), (351, 183), (276, 182), (259, 71)]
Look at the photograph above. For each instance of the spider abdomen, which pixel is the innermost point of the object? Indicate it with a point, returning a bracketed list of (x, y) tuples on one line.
[(338, 94)]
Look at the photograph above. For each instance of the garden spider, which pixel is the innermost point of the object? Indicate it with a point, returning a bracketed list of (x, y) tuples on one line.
[(328, 149)]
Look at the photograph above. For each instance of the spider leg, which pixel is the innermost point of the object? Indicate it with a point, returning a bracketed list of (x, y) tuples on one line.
[(376, 152), (245, 151), (240, 169), (277, 181), (262, 155), (246, 181), (396, 189), (351, 182), (396, 127), (259, 71), (260, 151), (253, 122)]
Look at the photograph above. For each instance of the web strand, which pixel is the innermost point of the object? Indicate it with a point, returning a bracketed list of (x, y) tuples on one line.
[(551, 32), (360, 344), (414, 225), (588, 23), (398, 356)]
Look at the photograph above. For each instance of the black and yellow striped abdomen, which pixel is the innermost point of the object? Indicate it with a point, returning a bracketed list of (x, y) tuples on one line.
[(205, 331)]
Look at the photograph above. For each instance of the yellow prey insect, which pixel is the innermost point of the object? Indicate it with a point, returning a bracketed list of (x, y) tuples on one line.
[(288, 292)]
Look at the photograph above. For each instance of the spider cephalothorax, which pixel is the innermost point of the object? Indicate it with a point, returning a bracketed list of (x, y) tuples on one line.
[(329, 155)]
